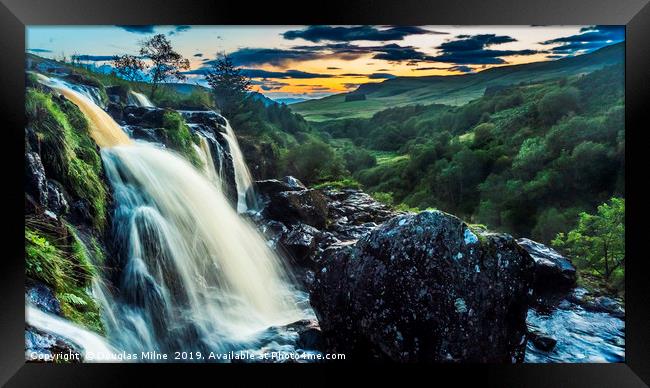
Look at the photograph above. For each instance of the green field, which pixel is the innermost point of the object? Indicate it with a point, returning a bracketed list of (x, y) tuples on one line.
[(450, 90)]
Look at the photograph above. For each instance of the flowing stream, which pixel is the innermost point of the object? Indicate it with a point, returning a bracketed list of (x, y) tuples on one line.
[(139, 99), (194, 275), (246, 197)]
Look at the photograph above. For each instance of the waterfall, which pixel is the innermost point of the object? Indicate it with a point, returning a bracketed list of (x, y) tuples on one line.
[(246, 197), (87, 340), (209, 169), (139, 99), (194, 275), (103, 129)]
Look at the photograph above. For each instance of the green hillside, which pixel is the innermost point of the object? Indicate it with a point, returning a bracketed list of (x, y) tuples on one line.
[(450, 90)]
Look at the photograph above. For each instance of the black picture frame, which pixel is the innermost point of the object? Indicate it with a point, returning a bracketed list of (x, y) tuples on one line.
[(634, 14)]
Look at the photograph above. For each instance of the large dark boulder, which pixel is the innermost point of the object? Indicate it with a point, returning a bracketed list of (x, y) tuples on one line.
[(293, 205), (424, 287), (553, 272)]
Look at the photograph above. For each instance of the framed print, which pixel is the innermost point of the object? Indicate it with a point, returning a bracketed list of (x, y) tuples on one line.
[(374, 186)]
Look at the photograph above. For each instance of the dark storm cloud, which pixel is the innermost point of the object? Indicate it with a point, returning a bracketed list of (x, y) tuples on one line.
[(39, 50), (473, 49), (179, 29), (294, 74), (589, 39), (93, 58), (348, 34), (397, 53), (138, 29), (270, 56)]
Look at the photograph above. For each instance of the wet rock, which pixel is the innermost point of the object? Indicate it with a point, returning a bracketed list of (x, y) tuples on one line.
[(273, 187), (154, 135), (115, 110), (598, 303), (56, 198), (309, 334), (143, 116), (42, 296), (541, 342), (44, 194), (118, 94), (208, 118), (42, 347), (354, 213), (295, 206), (553, 272), (35, 179), (424, 287), (301, 243)]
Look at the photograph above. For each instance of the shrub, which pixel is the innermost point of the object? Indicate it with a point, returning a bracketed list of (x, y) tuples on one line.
[(179, 137)]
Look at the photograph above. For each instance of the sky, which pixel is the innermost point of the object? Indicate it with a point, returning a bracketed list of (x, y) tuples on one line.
[(316, 61)]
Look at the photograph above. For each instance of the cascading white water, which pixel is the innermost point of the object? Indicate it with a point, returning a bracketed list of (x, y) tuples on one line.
[(203, 150), (103, 129), (90, 342), (139, 99), (194, 275), (190, 262), (246, 197)]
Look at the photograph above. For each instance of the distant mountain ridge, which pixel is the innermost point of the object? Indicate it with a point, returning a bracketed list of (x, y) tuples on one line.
[(450, 90)]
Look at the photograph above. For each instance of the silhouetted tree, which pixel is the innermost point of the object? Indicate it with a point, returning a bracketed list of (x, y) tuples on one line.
[(129, 67), (166, 63), (229, 85)]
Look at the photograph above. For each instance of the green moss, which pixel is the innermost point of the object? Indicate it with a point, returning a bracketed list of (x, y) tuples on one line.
[(179, 136), (68, 152), (67, 268), (345, 183)]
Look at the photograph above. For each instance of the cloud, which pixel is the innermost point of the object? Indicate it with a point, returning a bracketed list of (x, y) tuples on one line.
[(138, 29), (381, 76), (458, 68), (179, 29), (348, 34), (198, 55), (269, 85), (397, 53), (271, 56), (93, 58), (473, 49), (294, 74), (333, 68), (589, 39), (39, 50)]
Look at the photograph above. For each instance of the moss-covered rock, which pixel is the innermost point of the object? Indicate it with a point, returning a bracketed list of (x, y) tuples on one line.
[(179, 137), (61, 137), (56, 256)]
